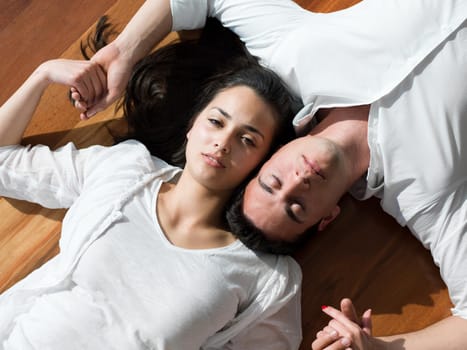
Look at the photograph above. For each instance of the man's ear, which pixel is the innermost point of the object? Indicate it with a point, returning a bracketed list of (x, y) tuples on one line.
[(329, 218)]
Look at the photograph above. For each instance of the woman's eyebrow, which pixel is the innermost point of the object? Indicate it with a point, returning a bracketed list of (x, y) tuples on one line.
[(246, 126)]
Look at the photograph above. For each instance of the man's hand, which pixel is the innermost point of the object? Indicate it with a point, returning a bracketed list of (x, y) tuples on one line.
[(117, 69)]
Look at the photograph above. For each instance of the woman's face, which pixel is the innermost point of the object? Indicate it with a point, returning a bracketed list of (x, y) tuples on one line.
[(229, 138)]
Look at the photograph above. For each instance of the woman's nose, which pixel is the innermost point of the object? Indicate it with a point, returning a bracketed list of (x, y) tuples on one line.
[(223, 145)]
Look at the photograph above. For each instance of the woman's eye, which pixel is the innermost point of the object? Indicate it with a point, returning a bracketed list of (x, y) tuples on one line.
[(215, 122), (248, 141)]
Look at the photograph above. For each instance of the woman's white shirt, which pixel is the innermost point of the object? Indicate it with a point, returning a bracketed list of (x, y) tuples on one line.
[(118, 281)]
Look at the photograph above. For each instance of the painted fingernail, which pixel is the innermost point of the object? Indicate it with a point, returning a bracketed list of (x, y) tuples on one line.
[(323, 307), (345, 342)]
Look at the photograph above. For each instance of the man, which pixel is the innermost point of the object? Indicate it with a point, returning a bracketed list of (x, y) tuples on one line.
[(384, 84)]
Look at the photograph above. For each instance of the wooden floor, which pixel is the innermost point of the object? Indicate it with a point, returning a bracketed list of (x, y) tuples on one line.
[(365, 255)]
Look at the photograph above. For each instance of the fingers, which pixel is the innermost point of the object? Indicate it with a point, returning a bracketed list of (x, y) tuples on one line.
[(104, 102), (77, 100), (345, 328), (338, 316), (348, 310), (88, 90), (90, 83), (329, 339), (367, 324)]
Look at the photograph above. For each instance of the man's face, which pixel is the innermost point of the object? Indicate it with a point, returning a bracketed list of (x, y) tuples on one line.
[(298, 187)]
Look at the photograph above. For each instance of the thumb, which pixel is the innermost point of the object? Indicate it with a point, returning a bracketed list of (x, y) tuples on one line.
[(102, 103), (367, 324)]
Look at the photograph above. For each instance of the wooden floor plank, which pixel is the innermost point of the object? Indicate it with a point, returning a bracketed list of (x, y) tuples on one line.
[(35, 30)]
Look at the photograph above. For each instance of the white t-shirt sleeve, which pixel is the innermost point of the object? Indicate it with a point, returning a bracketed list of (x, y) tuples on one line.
[(56, 178), (260, 24), (279, 327), (40, 175), (280, 331)]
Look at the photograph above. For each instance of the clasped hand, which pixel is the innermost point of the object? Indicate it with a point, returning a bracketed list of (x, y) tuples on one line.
[(115, 69), (86, 79), (345, 330)]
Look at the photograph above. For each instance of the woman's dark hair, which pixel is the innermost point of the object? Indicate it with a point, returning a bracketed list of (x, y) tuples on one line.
[(174, 83)]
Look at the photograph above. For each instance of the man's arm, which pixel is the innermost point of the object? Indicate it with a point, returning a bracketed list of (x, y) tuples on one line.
[(259, 23), (447, 334), (151, 23)]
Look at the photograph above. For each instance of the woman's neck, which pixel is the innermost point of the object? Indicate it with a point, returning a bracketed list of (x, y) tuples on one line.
[(192, 216)]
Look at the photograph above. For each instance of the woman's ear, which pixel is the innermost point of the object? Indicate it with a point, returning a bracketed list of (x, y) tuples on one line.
[(329, 218)]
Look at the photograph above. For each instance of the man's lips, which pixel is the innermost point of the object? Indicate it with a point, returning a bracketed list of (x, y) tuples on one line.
[(313, 167), (213, 161)]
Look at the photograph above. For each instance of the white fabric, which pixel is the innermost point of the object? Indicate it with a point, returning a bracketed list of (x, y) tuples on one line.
[(418, 167), (118, 283), (402, 57), (333, 59)]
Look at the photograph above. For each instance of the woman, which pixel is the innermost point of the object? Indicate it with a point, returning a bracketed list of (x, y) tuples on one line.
[(146, 259)]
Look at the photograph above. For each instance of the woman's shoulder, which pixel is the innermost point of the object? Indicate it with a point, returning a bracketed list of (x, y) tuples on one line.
[(270, 266), (134, 153)]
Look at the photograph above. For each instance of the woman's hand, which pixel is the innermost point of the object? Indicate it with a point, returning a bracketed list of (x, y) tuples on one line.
[(116, 69), (345, 331), (86, 79)]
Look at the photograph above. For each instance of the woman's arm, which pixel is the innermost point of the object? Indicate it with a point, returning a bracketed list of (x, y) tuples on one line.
[(16, 113), (447, 334)]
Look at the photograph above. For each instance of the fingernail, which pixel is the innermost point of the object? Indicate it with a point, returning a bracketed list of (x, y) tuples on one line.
[(323, 307), (345, 342)]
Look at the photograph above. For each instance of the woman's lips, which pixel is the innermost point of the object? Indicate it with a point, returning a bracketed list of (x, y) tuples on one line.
[(213, 161)]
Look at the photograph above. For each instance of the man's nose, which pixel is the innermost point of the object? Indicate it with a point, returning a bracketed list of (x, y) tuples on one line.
[(294, 185), (301, 178)]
